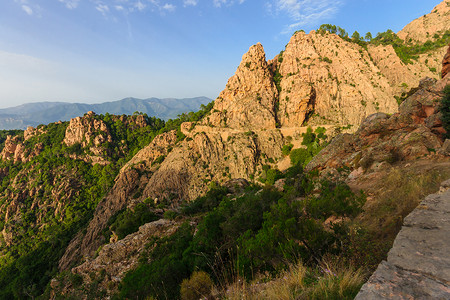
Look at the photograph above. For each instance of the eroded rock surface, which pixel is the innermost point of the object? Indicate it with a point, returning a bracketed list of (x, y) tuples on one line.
[(418, 265), (425, 27), (415, 131)]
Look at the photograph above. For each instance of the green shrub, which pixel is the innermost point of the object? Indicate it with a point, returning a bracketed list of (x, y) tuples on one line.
[(198, 286), (300, 156), (286, 149), (129, 220), (161, 278), (445, 110)]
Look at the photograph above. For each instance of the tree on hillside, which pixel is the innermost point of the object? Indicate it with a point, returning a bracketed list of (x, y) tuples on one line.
[(341, 32), (368, 36), (356, 36)]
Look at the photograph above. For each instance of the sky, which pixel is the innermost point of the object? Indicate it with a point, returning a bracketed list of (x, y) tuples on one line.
[(93, 51)]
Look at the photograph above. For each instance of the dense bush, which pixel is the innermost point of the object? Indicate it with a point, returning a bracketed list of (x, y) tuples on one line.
[(314, 142), (445, 110), (162, 276), (129, 220)]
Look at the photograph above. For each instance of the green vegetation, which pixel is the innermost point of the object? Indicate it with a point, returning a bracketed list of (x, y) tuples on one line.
[(56, 195), (259, 231), (129, 220), (314, 142), (286, 149), (406, 50), (445, 110)]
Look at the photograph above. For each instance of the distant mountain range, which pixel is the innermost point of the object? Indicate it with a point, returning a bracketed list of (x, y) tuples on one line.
[(33, 114)]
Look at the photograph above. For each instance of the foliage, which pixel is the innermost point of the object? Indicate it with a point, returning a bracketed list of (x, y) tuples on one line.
[(314, 142), (41, 236), (129, 220), (260, 230), (406, 50), (198, 286), (445, 110), (286, 149), (162, 276), (331, 279)]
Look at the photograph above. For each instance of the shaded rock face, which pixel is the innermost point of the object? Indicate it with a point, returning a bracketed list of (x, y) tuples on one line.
[(415, 131), (115, 259), (446, 63), (249, 97), (417, 266), (425, 27)]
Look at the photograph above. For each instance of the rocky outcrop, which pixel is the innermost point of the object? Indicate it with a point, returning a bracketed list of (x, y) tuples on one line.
[(333, 77), (425, 27), (417, 266), (446, 63), (415, 131), (114, 260), (127, 184), (86, 131), (248, 101)]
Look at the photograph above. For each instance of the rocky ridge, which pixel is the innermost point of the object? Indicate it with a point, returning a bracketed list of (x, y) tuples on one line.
[(425, 27)]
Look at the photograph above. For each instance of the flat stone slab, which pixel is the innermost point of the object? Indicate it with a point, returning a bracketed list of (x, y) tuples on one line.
[(391, 282), (418, 265)]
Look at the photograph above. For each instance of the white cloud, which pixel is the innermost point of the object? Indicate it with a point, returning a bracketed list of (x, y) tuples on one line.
[(304, 12), (103, 8), (168, 7), (190, 3), (219, 3), (70, 4), (119, 7), (140, 6), (27, 9)]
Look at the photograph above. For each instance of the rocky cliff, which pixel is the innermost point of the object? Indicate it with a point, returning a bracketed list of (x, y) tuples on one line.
[(425, 27), (320, 78), (415, 131)]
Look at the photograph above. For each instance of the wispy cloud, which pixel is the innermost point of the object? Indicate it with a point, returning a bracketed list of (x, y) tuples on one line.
[(168, 7), (219, 3), (302, 12), (190, 3), (139, 5), (103, 8), (27, 9), (70, 4)]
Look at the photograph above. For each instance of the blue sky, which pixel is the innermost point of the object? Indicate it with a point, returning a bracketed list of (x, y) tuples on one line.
[(95, 51)]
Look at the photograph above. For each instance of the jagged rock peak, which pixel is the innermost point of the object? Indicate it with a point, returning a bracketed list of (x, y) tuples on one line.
[(248, 101), (425, 27)]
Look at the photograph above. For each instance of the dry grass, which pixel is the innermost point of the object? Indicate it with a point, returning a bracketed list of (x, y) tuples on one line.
[(399, 192), (331, 280)]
